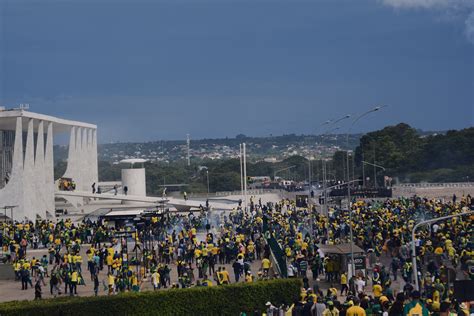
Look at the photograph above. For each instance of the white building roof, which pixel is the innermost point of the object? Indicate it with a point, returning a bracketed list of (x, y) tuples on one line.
[(134, 161), (8, 122)]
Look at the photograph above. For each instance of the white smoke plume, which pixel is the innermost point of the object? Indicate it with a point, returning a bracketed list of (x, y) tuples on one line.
[(461, 8)]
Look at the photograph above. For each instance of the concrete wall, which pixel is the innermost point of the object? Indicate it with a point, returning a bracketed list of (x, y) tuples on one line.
[(445, 193)]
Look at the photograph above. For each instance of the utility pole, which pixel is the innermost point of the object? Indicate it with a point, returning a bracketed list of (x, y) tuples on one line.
[(188, 143)]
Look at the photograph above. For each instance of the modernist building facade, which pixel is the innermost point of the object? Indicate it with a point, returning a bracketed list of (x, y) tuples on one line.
[(27, 161)]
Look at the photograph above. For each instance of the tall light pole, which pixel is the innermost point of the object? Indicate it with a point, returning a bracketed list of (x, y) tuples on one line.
[(207, 174), (374, 165), (331, 123), (375, 169), (373, 148), (245, 174), (188, 146), (241, 172), (413, 246), (349, 206), (280, 170), (323, 168), (309, 176)]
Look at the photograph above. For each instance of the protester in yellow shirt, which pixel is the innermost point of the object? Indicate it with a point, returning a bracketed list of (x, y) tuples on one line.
[(249, 277), (155, 280), (377, 289), (344, 287), (355, 310), (266, 265), (111, 282)]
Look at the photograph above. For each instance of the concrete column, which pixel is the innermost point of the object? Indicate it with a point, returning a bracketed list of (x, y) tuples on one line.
[(12, 193), (84, 165), (88, 153), (29, 196), (82, 161), (39, 173), (49, 170), (77, 173), (17, 164), (71, 158), (94, 163)]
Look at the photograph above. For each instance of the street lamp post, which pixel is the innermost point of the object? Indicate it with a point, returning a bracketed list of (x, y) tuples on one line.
[(374, 165), (284, 169), (349, 206), (241, 172), (363, 171), (331, 123), (207, 174), (375, 171), (373, 148), (413, 246), (244, 148), (309, 176)]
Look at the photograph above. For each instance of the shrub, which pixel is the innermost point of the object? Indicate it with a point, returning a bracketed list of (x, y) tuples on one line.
[(217, 300)]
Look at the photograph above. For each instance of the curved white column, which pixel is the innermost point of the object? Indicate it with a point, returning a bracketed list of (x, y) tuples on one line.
[(31, 186), (39, 173), (29, 194), (12, 193), (49, 170), (95, 163)]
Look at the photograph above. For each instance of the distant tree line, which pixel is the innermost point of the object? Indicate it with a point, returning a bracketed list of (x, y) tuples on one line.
[(445, 157), (406, 154)]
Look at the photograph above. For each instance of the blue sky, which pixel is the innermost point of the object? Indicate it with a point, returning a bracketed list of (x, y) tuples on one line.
[(148, 70)]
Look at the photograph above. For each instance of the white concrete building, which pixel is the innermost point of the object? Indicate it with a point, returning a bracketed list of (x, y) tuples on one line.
[(27, 163)]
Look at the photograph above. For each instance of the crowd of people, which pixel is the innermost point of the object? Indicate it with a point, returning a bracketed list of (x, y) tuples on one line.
[(206, 250), (123, 259), (383, 231)]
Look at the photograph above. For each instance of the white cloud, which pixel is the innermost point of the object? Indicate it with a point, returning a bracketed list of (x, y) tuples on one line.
[(430, 4), (470, 27), (427, 4), (462, 8)]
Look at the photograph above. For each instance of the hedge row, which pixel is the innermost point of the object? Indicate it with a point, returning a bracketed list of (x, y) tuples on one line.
[(217, 300)]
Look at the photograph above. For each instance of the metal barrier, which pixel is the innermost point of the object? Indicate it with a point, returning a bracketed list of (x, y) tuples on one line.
[(435, 185), (249, 192), (278, 255), (233, 193)]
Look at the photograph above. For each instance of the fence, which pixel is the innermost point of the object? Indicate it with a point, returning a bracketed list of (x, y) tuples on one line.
[(436, 185), (275, 249), (232, 193)]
